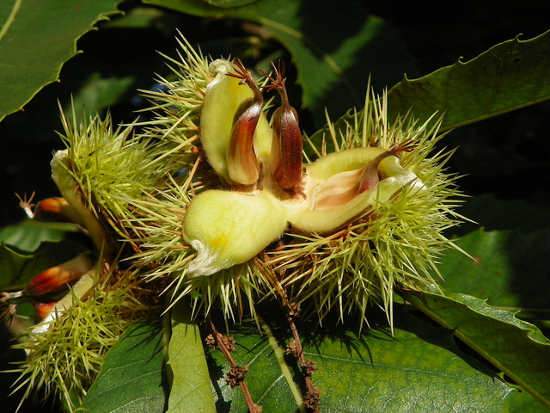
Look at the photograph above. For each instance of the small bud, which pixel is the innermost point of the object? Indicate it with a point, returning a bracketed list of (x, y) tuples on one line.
[(57, 278), (210, 341), (291, 349), (229, 343), (308, 367), (44, 309), (293, 310), (312, 400), (236, 375)]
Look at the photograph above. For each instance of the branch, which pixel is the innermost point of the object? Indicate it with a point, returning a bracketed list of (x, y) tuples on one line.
[(236, 374)]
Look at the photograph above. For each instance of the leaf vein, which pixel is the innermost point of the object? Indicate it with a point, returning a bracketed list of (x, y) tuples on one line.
[(124, 384), (11, 18)]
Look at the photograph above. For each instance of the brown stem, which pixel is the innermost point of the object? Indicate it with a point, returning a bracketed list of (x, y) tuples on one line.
[(312, 398), (252, 407), (312, 394), (244, 76)]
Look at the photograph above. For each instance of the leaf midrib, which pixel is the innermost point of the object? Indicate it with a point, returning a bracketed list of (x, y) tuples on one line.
[(472, 344), (11, 18), (134, 401), (124, 384), (283, 366)]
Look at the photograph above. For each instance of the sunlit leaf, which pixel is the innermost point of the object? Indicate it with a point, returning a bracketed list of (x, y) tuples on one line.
[(132, 376), (36, 38)]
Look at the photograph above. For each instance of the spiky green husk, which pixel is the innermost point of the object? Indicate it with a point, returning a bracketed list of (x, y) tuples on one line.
[(160, 252), (154, 221), (114, 167), (127, 179), (393, 244), (109, 165), (175, 108), (64, 359)]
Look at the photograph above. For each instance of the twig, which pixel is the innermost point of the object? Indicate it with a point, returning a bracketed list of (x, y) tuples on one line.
[(236, 374), (312, 397)]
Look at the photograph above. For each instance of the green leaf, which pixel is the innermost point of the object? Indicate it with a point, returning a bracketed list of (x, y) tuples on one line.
[(515, 347), (48, 255), (419, 369), (27, 235), (508, 76), (522, 402), (334, 61), (131, 379), (269, 377), (191, 390), (11, 267), (17, 268), (136, 18), (30, 247), (36, 38), (229, 3), (99, 93), (510, 268)]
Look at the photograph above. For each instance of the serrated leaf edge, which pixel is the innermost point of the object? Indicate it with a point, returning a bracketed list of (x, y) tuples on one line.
[(74, 51), (532, 332)]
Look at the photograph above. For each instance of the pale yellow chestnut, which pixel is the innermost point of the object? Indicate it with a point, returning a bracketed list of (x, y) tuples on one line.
[(228, 228)]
